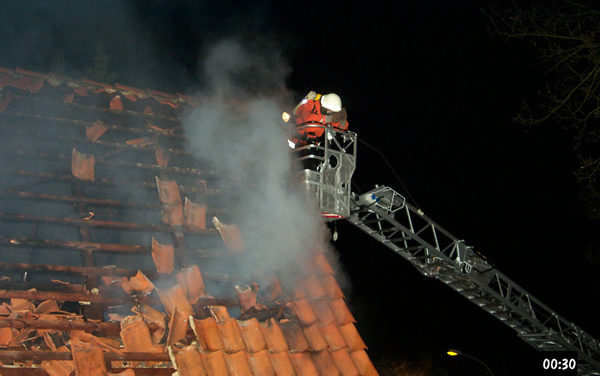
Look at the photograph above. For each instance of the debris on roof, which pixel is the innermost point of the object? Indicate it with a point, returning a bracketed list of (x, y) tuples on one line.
[(121, 281), (231, 235)]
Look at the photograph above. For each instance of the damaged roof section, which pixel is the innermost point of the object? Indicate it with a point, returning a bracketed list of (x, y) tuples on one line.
[(118, 249)]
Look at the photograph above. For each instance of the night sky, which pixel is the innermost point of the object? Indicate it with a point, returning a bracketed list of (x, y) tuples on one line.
[(427, 85)]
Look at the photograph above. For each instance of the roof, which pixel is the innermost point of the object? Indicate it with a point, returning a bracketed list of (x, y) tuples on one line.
[(133, 276)]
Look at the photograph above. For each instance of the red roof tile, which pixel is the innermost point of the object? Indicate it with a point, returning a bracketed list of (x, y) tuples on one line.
[(246, 296), (324, 312), (344, 363), (163, 256), (188, 361), (331, 286), (321, 264), (195, 215), (220, 313), (303, 364), (82, 165), (363, 363), (282, 365), (116, 103), (88, 359), (136, 335), (333, 337), (94, 132), (231, 335), (313, 286), (341, 311), (273, 336), (178, 326), (294, 336), (304, 311), (261, 363), (207, 334), (190, 279), (237, 363), (314, 337), (252, 335), (175, 298), (162, 158), (325, 364), (231, 236), (215, 363), (352, 337)]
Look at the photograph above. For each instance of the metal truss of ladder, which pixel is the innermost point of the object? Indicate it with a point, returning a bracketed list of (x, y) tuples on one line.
[(438, 254)]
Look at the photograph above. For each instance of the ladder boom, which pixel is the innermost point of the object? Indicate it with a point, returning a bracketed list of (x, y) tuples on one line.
[(438, 254)]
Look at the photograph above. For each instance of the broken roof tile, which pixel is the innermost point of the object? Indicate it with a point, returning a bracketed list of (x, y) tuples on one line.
[(6, 336), (363, 363), (163, 256), (304, 311), (303, 364), (294, 336), (323, 311), (168, 191), (252, 335), (190, 279), (237, 363), (282, 365), (116, 103), (173, 214), (215, 363), (231, 236), (313, 287), (325, 364), (162, 157), (136, 335), (94, 132), (352, 337), (139, 142), (220, 313), (88, 359), (82, 165), (178, 326), (261, 363), (331, 286), (47, 306), (341, 311), (333, 337), (195, 215), (152, 316), (58, 367), (273, 336), (174, 297), (187, 361), (231, 335), (138, 283), (314, 337), (344, 363), (246, 296), (207, 334)]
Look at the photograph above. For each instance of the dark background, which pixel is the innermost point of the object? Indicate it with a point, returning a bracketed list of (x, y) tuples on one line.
[(424, 82)]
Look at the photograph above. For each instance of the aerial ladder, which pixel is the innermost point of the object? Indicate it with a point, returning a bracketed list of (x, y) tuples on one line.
[(327, 168)]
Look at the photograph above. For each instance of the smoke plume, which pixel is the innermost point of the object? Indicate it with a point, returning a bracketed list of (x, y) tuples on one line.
[(239, 131)]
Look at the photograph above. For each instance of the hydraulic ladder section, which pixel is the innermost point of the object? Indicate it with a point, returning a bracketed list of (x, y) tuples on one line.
[(438, 254)]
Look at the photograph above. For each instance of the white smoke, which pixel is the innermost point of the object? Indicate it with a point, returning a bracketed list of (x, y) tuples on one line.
[(239, 131)]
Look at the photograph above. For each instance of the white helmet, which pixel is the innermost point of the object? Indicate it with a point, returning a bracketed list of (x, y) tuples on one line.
[(331, 102)]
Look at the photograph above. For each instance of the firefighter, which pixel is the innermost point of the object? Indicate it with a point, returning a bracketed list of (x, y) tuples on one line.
[(320, 110)]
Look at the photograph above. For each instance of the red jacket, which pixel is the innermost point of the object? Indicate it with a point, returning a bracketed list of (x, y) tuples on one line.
[(309, 113)]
